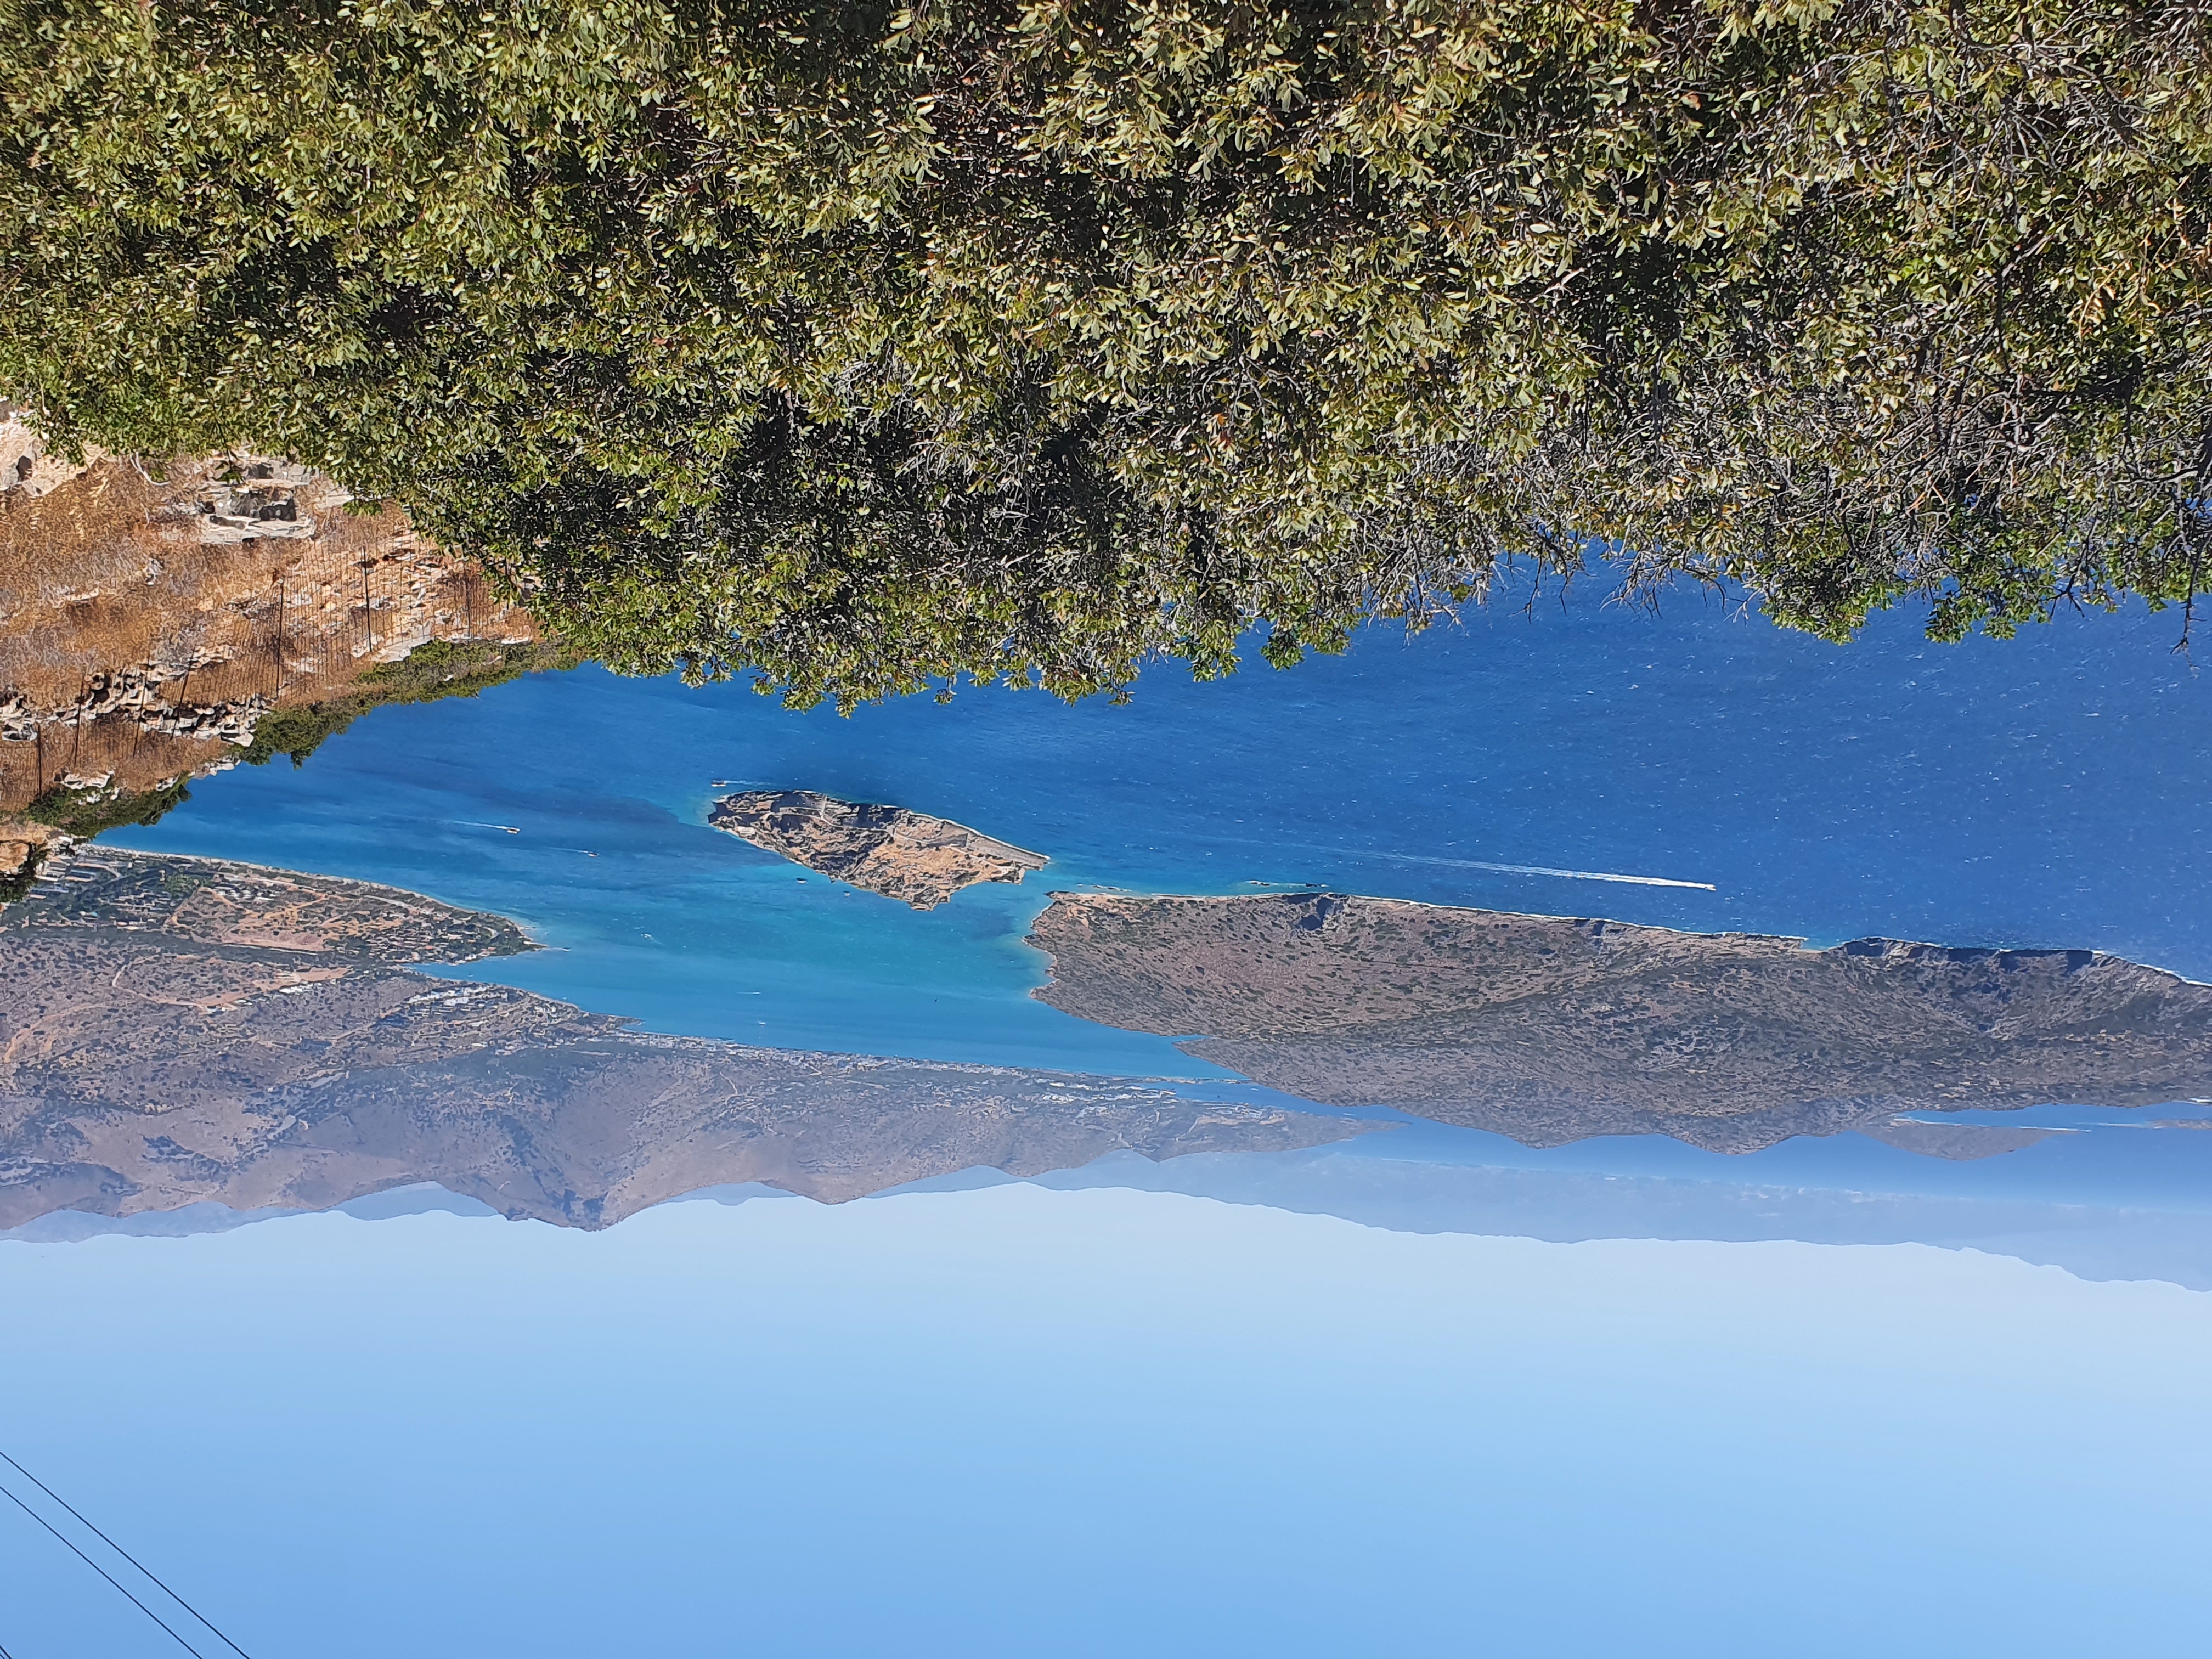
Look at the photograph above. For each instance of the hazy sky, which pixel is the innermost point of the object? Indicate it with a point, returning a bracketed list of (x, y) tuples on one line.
[(1018, 1421)]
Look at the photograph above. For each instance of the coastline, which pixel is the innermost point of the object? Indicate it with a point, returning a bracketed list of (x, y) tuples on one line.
[(207, 1031)]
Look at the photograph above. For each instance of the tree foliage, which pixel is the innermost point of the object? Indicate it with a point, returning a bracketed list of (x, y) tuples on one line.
[(861, 346)]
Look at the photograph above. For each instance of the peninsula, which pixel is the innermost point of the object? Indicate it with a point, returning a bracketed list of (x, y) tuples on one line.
[(1550, 1029), (909, 856), (185, 1029)]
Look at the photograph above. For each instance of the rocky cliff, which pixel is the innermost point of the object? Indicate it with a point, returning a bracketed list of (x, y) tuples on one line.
[(909, 856)]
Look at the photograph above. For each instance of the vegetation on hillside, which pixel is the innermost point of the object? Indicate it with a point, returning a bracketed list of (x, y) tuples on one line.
[(18, 883), (860, 345), (84, 811), (428, 673)]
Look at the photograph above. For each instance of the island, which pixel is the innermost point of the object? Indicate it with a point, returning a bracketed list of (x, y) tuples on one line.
[(1553, 1029), (180, 1030), (909, 856)]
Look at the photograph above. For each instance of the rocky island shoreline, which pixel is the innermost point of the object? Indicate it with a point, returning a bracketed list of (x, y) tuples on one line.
[(195, 1028), (921, 860)]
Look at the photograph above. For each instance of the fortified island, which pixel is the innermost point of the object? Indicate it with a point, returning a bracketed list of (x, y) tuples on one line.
[(918, 859)]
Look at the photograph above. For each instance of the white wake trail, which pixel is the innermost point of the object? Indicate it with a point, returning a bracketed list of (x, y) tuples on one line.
[(1544, 870)]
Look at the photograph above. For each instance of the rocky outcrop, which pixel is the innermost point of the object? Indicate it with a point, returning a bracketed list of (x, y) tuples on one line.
[(28, 469), (150, 697), (909, 856), (1551, 1029), (260, 499), (239, 497), (178, 1030)]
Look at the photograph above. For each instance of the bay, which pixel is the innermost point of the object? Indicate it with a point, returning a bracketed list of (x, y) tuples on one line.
[(1424, 1390), (2045, 790)]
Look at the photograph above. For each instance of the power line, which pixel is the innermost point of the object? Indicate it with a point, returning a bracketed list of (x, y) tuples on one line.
[(101, 1570), (120, 1551)]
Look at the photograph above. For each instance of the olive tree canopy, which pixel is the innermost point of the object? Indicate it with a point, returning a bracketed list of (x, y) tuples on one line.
[(861, 346)]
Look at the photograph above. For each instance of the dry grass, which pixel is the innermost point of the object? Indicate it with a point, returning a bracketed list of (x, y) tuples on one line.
[(138, 761), (111, 571), (71, 565)]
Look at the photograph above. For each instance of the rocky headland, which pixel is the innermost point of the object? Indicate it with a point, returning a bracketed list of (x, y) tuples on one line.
[(909, 856), (182, 1029), (1551, 1029)]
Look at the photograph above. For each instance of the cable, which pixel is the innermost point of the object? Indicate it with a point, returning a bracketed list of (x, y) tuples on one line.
[(101, 1570), (120, 1551)]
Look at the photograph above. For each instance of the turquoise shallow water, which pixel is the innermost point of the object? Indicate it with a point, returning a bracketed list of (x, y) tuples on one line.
[(2047, 790)]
